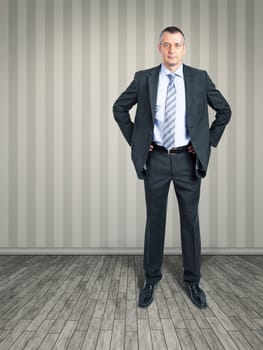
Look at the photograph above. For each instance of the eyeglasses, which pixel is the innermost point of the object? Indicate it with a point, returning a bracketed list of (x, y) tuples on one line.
[(169, 45)]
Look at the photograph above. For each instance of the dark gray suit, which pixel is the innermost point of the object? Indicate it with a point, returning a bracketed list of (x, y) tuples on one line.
[(185, 170)]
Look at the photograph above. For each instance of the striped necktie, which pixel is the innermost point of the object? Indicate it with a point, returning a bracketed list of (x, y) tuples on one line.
[(169, 121)]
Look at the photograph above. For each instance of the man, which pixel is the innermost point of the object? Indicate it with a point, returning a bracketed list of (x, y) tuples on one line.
[(170, 140)]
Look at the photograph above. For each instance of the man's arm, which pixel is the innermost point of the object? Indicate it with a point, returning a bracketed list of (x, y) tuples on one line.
[(223, 112), (121, 110)]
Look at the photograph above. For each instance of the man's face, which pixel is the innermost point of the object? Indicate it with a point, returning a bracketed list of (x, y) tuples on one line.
[(172, 49)]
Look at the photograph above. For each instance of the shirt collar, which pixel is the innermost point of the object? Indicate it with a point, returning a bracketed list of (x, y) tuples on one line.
[(178, 72)]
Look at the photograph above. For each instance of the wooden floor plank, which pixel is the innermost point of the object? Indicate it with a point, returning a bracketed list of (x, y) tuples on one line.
[(11, 338), (65, 335), (22, 341), (144, 335), (158, 340), (196, 335), (240, 341), (91, 302), (224, 320), (118, 335), (76, 341), (49, 341), (170, 335), (131, 317), (223, 336), (154, 318), (108, 317), (104, 340), (92, 335), (40, 335), (86, 316), (131, 289), (212, 339), (185, 339), (131, 341)]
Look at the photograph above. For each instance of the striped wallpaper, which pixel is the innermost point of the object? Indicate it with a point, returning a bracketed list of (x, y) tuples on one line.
[(67, 182)]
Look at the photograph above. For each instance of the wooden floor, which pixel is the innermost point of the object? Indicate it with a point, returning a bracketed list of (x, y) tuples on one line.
[(90, 302)]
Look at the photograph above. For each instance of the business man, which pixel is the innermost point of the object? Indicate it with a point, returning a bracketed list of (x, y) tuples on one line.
[(170, 141)]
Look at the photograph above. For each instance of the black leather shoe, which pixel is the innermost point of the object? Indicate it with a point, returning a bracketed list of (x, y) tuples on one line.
[(197, 295), (146, 295)]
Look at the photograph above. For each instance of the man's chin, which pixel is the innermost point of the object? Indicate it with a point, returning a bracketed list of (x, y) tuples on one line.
[(172, 64)]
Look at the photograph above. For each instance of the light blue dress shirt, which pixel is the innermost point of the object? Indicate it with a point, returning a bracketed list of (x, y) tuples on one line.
[(181, 135)]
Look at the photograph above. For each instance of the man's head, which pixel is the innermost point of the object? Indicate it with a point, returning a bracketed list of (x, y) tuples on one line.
[(172, 47)]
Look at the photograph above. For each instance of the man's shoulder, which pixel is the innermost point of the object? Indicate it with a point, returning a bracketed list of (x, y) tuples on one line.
[(145, 72), (193, 70)]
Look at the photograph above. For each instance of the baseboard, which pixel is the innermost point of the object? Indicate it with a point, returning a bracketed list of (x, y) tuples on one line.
[(123, 251)]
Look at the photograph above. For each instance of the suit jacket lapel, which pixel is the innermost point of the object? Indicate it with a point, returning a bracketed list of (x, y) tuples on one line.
[(188, 88), (153, 79)]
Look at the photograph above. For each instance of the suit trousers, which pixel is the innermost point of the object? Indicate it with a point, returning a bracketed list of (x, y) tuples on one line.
[(162, 169)]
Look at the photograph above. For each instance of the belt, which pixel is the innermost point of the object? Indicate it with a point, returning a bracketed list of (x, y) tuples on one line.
[(173, 150)]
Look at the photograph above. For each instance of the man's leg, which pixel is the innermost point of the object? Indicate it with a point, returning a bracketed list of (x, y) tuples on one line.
[(157, 184), (187, 187)]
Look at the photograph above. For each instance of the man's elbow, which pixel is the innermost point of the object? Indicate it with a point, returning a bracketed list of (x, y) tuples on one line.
[(228, 114), (116, 111)]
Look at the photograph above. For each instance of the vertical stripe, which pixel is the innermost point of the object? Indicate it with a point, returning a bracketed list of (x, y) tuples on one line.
[(195, 33), (177, 13), (204, 64), (152, 37), (240, 116), (258, 124), (104, 124), (95, 108), (58, 124), (125, 152), (167, 13), (120, 238), (117, 38), (222, 149), (158, 21), (140, 61), (250, 123), (187, 25), (31, 123), (4, 128), (40, 124), (231, 149), (86, 123), (213, 171), (67, 179), (22, 125), (12, 139), (76, 124), (49, 125), (67, 126)]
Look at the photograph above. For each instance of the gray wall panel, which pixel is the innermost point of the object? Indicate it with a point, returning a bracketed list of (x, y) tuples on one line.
[(66, 175)]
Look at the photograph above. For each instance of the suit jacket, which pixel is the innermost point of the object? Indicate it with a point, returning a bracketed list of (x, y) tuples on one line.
[(200, 92)]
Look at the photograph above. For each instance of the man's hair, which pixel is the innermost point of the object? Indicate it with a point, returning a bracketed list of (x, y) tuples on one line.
[(172, 30)]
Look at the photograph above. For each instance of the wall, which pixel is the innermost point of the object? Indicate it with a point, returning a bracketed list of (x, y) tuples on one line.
[(67, 181)]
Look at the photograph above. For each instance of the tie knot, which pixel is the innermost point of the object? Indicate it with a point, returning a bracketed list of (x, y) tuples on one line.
[(171, 77)]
